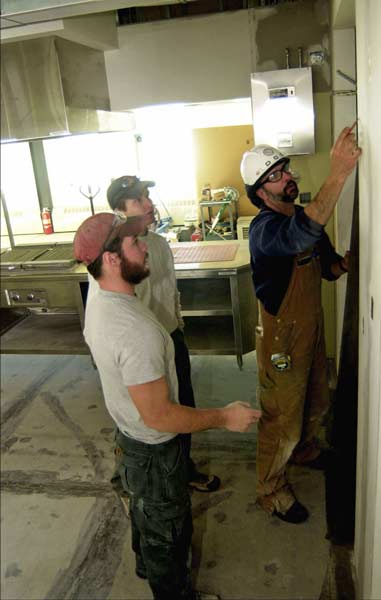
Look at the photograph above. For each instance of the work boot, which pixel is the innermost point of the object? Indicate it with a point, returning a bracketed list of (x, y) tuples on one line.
[(297, 513)]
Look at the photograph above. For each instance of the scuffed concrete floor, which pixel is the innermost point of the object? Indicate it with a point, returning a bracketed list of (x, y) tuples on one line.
[(64, 533)]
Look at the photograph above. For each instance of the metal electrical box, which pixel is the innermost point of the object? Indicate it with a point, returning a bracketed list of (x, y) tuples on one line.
[(283, 111)]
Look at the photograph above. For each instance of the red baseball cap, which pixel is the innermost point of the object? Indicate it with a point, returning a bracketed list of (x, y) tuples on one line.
[(96, 232)]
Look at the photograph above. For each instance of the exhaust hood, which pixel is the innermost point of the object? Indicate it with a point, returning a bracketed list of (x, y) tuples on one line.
[(52, 87)]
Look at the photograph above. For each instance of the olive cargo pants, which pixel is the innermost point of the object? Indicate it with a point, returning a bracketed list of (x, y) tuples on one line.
[(155, 477)]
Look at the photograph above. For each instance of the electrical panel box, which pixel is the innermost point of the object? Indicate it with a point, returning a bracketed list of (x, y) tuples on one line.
[(283, 111)]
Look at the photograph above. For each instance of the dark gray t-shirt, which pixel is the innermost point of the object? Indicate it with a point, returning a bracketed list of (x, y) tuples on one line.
[(129, 347)]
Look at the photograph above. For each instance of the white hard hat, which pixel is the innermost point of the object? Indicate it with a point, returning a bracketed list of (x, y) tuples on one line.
[(257, 161)]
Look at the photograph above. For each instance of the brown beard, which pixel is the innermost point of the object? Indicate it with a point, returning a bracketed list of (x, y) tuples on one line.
[(132, 272), (290, 192)]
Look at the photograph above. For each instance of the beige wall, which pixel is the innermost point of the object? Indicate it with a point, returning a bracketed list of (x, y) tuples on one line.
[(180, 60), (368, 499), (343, 113)]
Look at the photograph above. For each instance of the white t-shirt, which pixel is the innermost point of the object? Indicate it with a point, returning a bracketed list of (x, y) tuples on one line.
[(159, 290), (130, 347)]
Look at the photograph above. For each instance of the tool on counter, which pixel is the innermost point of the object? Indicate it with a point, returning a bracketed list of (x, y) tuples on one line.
[(162, 224), (196, 236), (224, 198), (212, 228), (90, 195)]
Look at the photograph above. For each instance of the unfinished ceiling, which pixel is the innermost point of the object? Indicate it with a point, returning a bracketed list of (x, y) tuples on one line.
[(144, 14), (16, 13)]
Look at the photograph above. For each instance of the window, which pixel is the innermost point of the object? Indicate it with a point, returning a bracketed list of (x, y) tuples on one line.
[(166, 157), (85, 164), (18, 187)]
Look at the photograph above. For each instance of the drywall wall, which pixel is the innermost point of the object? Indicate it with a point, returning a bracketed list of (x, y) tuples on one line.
[(343, 114), (211, 57), (181, 60), (343, 13), (300, 24), (368, 499)]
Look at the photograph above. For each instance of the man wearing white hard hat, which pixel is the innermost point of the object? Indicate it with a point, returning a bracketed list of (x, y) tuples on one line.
[(290, 253)]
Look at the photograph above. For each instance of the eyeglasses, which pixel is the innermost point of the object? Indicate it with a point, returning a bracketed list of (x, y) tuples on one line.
[(277, 175)]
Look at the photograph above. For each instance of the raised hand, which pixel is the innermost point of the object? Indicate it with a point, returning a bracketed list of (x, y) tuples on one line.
[(344, 153)]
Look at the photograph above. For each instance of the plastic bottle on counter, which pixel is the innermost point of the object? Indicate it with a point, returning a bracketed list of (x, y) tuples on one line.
[(196, 235), (46, 218)]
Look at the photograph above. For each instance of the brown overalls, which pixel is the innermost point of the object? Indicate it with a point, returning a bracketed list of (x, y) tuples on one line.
[(292, 400)]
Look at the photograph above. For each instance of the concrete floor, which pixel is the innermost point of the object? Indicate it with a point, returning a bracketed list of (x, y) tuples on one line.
[(64, 533)]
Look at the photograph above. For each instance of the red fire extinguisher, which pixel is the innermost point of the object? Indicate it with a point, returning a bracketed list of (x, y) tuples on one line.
[(46, 218)]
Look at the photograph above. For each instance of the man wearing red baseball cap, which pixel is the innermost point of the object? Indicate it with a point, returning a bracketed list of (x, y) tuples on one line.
[(129, 196), (135, 357)]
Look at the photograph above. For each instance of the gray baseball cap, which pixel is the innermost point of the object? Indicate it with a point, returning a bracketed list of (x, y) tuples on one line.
[(123, 188)]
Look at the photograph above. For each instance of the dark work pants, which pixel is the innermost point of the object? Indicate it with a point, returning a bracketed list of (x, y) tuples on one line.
[(186, 396), (155, 477)]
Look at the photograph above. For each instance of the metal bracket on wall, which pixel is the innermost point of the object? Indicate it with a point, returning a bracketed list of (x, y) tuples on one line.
[(344, 93), (346, 77)]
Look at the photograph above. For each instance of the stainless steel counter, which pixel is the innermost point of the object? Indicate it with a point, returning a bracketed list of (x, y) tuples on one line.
[(240, 261), (41, 281), (218, 304)]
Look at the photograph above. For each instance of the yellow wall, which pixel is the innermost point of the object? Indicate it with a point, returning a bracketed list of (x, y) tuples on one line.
[(218, 152)]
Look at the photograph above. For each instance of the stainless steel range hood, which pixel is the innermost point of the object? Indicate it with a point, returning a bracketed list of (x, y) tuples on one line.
[(52, 87)]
